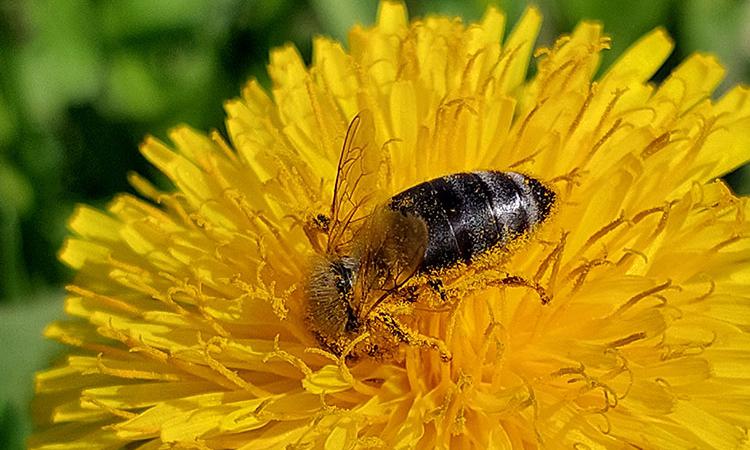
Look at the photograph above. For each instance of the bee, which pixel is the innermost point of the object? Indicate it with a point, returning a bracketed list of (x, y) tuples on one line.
[(373, 260)]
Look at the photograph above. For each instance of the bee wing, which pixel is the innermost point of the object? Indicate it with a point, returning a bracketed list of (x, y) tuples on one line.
[(392, 251), (356, 183)]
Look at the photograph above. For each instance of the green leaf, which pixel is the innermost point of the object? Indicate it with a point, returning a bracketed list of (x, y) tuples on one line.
[(624, 22), (132, 89), (13, 428), (8, 123), (24, 351), (60, 63), (336, 17), (128, 18), (15, 189), (716, 27), (468, 11)]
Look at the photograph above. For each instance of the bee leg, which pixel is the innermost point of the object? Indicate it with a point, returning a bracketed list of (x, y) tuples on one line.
[(313, 238), (314, 229), (436, 284), (513, 280), (411, 337)]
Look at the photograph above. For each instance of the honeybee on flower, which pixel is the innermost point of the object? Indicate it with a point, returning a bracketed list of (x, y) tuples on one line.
[(366, 277), (190, 317)]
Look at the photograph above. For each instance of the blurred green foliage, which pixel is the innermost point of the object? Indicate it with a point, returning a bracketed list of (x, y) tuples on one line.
[(83, 81)]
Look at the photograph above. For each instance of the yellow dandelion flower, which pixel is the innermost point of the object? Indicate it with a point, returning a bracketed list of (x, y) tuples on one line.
[(188, 317)]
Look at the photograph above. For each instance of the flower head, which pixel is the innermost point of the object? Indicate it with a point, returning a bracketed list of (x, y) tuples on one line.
[(188, 317)]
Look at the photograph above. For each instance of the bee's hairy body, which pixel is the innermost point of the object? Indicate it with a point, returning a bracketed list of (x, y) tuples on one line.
[(448, 220)]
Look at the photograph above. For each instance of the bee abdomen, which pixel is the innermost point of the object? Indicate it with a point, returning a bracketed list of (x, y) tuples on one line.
[(468, 213)]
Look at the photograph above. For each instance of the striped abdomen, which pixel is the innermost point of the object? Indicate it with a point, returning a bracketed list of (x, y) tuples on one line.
[(469, 213)]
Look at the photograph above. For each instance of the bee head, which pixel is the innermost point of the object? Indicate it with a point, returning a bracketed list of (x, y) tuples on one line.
[(330, 296)]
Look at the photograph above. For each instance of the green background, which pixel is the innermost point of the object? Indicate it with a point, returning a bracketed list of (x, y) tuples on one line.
[(82, 81)]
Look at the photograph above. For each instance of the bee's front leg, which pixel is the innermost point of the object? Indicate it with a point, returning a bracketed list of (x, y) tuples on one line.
[(402, 333), (488, 279), (436, 284), (516, 281), (316, 229)]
